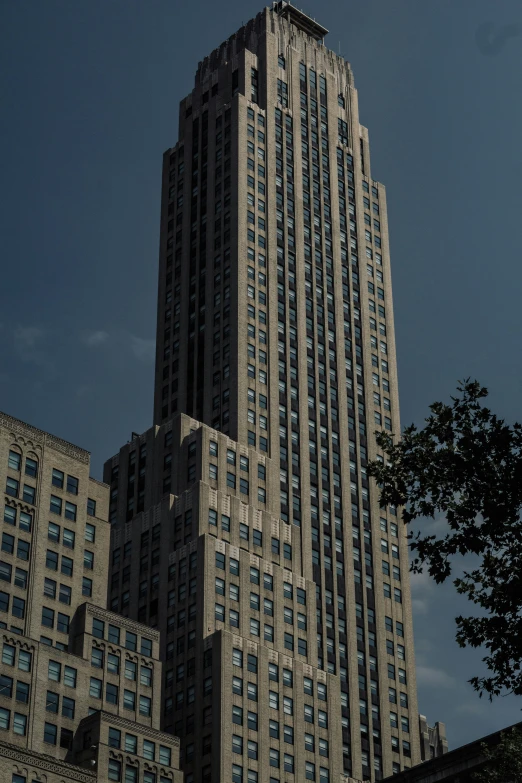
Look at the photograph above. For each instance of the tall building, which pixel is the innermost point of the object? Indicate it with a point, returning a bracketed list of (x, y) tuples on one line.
[(244, 526), (80, 687)]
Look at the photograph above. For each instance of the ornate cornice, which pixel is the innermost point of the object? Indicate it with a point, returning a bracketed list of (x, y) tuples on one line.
[(17, 641), (45, 762), (15, 503), (109, 647), (44, 439)]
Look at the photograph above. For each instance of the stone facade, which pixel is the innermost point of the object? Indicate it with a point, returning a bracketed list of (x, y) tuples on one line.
[(55, 536), (247, 546), (219, 574), (67, 665), (433, 739), (196, 565), (275, 342)]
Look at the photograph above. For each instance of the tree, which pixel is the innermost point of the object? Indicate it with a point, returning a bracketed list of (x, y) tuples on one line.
[(466, 464), (504, 761)]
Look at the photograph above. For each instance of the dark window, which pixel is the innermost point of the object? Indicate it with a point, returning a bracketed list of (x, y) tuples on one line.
[(22, 692), (29, 494), (6, 686), (52, 702), (12, 487), (47, 617), (66, 566), (22, 550), (7, 543), (68, 707), (18, 607), (14, 460), (50, 733), (70, 510), (66, 738), (114, 738), (58, 478), (98, 628), (131, 641)]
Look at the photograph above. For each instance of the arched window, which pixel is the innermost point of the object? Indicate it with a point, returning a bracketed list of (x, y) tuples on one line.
[(31, 465), (15, 458)]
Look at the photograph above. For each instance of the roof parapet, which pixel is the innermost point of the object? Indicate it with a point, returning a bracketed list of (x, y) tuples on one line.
[(301, 20)]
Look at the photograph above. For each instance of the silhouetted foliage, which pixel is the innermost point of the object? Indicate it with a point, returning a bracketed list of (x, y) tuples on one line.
[(504, 763), (466, 464)]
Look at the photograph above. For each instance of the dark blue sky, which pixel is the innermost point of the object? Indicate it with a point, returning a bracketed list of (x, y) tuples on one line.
[(89, 94)]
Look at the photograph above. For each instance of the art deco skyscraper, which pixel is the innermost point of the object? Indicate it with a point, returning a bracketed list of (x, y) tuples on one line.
[(244, 524)]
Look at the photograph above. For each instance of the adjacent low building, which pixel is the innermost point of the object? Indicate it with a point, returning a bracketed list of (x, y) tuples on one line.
[(80, 686), (432, 738), (455, 766)]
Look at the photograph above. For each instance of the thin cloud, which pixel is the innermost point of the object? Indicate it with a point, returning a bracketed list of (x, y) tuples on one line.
[(471, 708), (421, 592), (422, 647), (93, 339), (27, 341), (144, 350), (421, 583), (27, 336), (427, 675)]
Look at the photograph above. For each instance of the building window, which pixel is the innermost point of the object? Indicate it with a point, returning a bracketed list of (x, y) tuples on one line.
[(50, 733), (14, 460), (55, 505), (47, 617), (12, 487), (114, 772), (111, 693), (95, 688), (72, 485), (71, 511), (58, 478), (68, 707), (29, 494)]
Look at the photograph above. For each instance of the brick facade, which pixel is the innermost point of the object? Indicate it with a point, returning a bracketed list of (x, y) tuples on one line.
[(68, 667)]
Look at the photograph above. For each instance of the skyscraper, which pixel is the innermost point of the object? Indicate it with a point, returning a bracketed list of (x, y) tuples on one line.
[(244, 524)]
